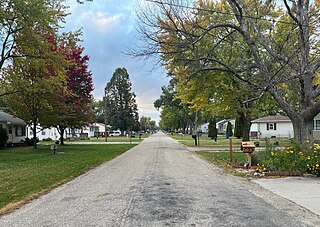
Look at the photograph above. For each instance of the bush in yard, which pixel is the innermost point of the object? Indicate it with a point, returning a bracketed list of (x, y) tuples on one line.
[(295, 158), (3, 137), (29, 141)]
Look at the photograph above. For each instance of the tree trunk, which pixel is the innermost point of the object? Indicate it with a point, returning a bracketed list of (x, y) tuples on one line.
[(303, 129), (61, 132), (246, 124), (34, 130)]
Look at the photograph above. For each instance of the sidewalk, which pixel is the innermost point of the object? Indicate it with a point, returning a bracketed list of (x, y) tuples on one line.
[(304, 191)]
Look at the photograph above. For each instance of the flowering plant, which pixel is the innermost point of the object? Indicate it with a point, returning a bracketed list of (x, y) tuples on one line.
[(295, 158)]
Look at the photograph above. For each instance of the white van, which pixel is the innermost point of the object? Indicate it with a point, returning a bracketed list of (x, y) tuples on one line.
[(115, 133)]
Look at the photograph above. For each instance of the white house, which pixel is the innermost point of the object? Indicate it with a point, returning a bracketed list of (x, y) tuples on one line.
[(100, 130), (16, 128), (45, 133), (203, 128), (272, 126), (222, 125)]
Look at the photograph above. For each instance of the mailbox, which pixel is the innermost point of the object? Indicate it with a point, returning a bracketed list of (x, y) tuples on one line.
[(247, 147)]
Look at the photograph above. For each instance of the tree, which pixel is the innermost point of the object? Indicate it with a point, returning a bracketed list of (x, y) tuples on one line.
[(31, 82), (212, 130), (280, 55), (175, 108), (71, 104), (229, 129), (121, 107), (98, 111), (145, 123), (20, 24)]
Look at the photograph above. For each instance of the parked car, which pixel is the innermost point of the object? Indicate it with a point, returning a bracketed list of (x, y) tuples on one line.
[(115, 133)]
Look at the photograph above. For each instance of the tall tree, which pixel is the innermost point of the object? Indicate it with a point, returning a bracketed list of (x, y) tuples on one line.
[(121, 107), (31, 82), (280, 55), (174, 108), (72, 104)]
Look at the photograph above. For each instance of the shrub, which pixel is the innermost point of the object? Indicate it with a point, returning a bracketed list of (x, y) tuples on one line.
[(29, 141), (47, 139), (295, 158), (3, 137)]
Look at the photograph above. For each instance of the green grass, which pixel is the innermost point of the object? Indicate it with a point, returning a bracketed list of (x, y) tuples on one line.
[(222, 141), (25, 172), (222, 158), (111, 139)]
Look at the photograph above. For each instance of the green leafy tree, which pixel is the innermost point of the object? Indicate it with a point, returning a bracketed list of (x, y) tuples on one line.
[(20, 24), (32, 82), (98, 110), (279, 41), (173, 105), (121, 108)]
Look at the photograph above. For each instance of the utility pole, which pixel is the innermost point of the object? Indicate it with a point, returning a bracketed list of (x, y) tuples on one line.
[(105, 116)]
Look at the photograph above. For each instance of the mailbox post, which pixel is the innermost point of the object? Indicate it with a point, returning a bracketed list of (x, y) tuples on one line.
[(248, 147), (54, 148)]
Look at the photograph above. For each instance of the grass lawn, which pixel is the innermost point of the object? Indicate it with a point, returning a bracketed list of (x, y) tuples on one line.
[(222, 158), (222, 141), (25, 172), (112, 139)]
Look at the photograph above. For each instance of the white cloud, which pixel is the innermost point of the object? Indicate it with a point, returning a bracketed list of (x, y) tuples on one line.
[(101, 22)]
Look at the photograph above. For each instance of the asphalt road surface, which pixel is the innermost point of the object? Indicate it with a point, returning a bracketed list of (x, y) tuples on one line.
[(157, 183)]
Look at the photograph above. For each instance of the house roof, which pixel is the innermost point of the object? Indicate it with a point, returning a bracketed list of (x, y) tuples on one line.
[(5, 117), (277, 118)]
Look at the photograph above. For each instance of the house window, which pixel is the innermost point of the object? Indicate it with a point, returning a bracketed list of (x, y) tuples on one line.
[(43, 133), (20, 130), (271, 126), (317, 125)]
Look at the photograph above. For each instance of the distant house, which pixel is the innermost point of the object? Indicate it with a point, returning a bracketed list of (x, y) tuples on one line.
[(222, 125), (101, 129), (272, 126), (203, 128), (45, 133), (16, 128)]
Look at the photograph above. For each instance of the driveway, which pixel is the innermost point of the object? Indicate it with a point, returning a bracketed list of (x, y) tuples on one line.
[(159, 183)]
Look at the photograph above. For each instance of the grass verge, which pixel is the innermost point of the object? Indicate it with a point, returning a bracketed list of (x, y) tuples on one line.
[(222, 142), (26, 173)]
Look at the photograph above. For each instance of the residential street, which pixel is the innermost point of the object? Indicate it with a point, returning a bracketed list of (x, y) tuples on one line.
[(160, 183)]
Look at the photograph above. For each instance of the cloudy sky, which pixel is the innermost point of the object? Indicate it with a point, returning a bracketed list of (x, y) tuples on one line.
[(108, 29)]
